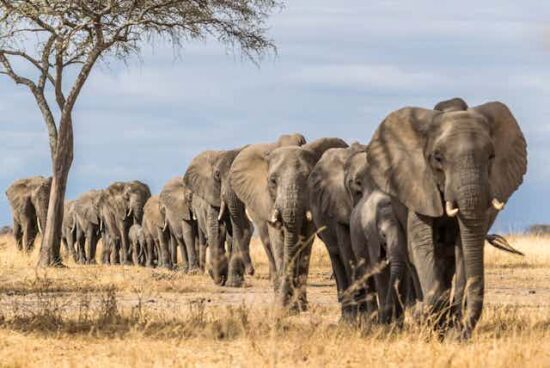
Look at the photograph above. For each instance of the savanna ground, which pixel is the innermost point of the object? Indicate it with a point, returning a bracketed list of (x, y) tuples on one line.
[(131, 316)]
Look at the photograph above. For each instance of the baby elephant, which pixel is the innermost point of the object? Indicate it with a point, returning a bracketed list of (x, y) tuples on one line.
[(137, 242), (378, 241)]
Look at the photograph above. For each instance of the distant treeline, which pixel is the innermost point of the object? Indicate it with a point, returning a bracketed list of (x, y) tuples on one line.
[(539, 229)]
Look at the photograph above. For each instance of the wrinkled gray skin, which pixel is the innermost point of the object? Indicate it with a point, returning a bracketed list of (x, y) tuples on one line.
[(156, 235), (175, 207), (272, 182), (121, 205), (88, 221), (68, 230), (138, 243), (331, 208), (425, 158), (29, 200)]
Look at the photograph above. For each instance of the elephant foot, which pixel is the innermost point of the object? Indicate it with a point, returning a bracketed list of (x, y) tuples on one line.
[(250, 271), (92, 262), (235, 281)]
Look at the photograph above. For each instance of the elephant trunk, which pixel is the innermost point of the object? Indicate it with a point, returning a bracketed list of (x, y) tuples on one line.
[(473, 201), (218, 261), (292, 215)]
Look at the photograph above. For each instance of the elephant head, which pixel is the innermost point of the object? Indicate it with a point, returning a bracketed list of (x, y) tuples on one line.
[(136, 195), (40, 198), (463, 164), (87, 209)]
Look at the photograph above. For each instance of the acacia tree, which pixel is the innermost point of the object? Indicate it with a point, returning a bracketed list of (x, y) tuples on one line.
[(51, 47)]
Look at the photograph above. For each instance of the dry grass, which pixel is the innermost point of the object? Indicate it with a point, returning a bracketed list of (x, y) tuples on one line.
[(130, 316)]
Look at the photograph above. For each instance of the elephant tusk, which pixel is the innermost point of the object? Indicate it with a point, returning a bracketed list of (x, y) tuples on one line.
[(497, 205), (309, 216), (165, 225), (194, 216), (222, 211), (275, 216), (450, 209), (101, 224), (248, 215), (39, 226), (129, 213)]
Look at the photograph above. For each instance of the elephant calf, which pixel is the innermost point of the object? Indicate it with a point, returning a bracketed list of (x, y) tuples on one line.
[(137, 242)]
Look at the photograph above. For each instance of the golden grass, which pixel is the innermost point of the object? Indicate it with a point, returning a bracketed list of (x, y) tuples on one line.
[(130, 316)]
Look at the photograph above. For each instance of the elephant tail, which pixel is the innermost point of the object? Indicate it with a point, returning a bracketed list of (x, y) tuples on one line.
[(500, 242)]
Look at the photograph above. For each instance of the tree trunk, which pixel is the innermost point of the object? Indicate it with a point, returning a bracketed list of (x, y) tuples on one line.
[(61, 163)]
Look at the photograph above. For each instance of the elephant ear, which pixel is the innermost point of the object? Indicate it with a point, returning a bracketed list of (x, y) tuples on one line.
[(200, 177), (397, 164), (510, 163), (295, 139), (175, 197), (454, 104), (319, 146), (326, 185), (248, 178)]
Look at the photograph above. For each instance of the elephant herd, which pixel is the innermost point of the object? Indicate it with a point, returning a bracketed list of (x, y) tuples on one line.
[(404, 218)]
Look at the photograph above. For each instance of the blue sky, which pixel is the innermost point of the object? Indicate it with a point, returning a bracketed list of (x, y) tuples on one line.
[(341, 67)]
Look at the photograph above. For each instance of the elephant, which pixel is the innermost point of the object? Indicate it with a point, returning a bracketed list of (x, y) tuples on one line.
[(452, 171), (175, 206), (204, 178), (121, 205), (156, 234), (138, 243), (88, 221), (29, 200), (68, 230), (377, 237), (199, 210), (331, 207), (272, 183)]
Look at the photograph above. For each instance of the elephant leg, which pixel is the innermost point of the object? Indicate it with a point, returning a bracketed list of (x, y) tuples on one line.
[(164, 251), (276, 237), (149, 252), (135, 251), (29, 235), (203, 247), (91, 242), (188, 246), (184, 255), (347, 260), (263, 232), (329, 239), (302, 271), (115, 247), (421, 247), (459, 283), (173, 249), (80, 242), (236, 263), (124, 246), (18, 234)]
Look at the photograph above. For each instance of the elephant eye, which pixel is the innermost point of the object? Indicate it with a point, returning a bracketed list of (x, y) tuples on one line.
[(438, 157), (272, 181), (217, 174)]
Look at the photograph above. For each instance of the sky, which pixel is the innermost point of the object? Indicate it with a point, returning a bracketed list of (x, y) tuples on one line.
[(340, 68)]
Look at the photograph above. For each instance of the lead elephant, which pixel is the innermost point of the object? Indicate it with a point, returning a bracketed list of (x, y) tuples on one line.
[(453, 171), (29, 200), (272, 183), (121, 205), (175, 207)]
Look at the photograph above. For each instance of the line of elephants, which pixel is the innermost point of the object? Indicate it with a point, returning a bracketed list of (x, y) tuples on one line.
[(404, 218)]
